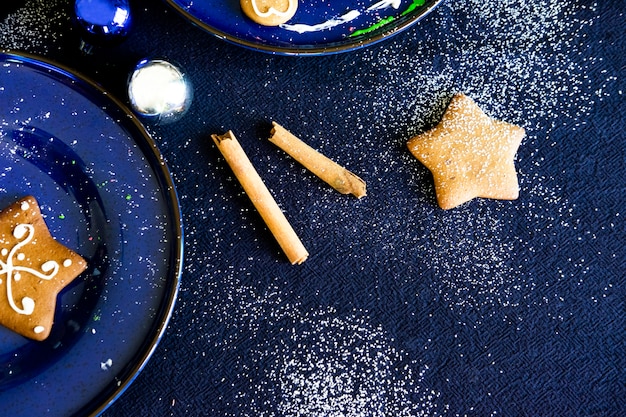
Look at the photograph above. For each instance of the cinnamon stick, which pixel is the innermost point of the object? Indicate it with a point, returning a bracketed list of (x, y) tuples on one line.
[(326, 169), (261, 197)]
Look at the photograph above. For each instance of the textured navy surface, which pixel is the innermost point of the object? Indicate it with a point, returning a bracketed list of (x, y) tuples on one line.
[(403, 309)]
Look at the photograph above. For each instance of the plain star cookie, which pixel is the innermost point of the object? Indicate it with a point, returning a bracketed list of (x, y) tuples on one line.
[(469, 154), (34, 268)]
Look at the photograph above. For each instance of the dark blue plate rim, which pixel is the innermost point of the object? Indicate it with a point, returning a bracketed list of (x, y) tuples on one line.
[(149, 149), (349, 44)]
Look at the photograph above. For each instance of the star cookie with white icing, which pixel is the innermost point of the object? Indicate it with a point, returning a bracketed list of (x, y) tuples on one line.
[(34, 268), (469, 154)]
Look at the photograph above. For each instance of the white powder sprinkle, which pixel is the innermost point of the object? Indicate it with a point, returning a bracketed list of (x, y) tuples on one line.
[(35, 27), (106, 365), (314, 362)]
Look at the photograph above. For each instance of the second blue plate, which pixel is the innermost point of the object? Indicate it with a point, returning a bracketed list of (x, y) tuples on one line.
[(318, 27)]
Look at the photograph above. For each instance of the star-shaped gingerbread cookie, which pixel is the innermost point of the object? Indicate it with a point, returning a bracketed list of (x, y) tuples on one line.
[(469, 154), (34, 268)]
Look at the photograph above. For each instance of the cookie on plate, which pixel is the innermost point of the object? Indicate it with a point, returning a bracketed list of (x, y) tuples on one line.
[(34, 268), (469, 154), (269, 12)]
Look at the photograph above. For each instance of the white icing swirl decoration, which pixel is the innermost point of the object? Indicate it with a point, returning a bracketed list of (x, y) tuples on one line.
[(24, 234), (293, 4)]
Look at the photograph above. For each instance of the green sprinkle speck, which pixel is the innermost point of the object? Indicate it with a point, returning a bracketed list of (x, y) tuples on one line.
[(372, 28), (129, 197), (413, 6), (383, 22), (62, 216)]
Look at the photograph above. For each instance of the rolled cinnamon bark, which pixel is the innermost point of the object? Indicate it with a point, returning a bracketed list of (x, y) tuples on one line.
[(326, 169), (261, 197)]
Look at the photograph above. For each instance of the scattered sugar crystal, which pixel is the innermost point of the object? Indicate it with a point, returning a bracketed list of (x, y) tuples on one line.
[(106, 365)]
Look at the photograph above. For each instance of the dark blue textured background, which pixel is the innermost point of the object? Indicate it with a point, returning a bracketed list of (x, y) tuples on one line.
[(495, 308)]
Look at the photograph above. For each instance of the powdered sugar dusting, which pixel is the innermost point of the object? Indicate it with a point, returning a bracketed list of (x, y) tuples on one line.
[(314, 362), (518, 69), (35, 26)]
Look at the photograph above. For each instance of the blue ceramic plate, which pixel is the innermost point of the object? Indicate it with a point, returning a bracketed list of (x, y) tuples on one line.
[(106, 193), (318, 27)]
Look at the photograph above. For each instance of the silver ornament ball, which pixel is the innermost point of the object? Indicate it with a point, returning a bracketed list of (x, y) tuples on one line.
[(159, 91)]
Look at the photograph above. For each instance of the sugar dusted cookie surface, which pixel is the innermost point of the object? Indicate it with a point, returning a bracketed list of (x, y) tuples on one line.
[(269, 12), (34, 268), (469, 154)]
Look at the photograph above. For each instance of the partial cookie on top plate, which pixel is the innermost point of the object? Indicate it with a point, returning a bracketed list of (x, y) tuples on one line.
[(269, 12)]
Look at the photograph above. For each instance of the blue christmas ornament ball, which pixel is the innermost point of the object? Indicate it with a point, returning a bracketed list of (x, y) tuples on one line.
[(102, 22)]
